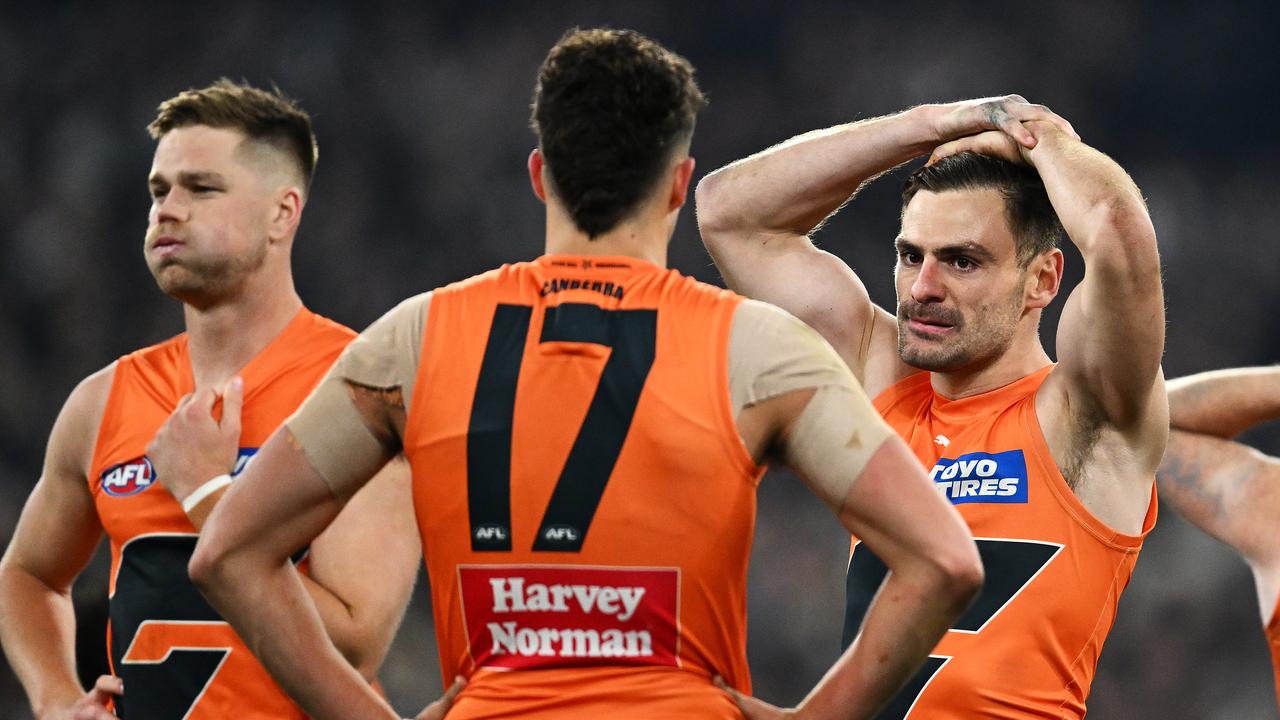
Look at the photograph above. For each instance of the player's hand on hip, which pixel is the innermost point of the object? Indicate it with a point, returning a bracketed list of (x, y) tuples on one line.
[(193, 445), (1005, 114), (93, 706), (752, 708), (438, 709)]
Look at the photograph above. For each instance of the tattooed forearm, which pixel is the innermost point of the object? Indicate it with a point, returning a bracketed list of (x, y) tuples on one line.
[(1182, 481), (1207, 484)]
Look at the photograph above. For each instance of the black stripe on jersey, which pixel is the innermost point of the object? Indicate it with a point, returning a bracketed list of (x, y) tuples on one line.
[(489, 432), (633, 336)]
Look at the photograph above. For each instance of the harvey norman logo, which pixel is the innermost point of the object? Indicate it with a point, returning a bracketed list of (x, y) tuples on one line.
[(982, 477), (524, 617)]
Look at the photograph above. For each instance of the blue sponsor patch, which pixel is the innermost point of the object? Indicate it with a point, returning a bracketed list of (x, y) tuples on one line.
[(242, 460), (982, 477)]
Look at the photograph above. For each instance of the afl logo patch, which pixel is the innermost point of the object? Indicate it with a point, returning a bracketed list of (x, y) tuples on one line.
[(128, 478)]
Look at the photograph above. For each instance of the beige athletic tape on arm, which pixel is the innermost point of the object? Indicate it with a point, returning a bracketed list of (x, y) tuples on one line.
[(385, 356), (329, 428), (833, 440), (772, 353)]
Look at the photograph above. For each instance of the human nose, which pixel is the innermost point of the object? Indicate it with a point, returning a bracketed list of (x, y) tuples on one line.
[(927, 285), (173, 206)]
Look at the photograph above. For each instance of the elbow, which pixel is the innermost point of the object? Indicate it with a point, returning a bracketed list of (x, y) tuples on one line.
[(1129, 218), (363, 644), (366, 663), (1124, 217), (711, 208), (960, 575), (208, 565)]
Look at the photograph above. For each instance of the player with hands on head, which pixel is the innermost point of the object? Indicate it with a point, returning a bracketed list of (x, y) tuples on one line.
[(1050, 463), (587, 431), (228, 183), (1228, 489)]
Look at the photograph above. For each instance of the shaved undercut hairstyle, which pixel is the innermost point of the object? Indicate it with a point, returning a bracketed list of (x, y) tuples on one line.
[(266, 117), (1027, 210), (610, 109)]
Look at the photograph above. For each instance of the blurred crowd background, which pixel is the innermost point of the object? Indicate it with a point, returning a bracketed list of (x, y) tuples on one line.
[(421, 111)]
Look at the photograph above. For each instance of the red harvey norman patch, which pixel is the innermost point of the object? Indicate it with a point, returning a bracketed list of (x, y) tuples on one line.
[(521, 617), (128, 478)]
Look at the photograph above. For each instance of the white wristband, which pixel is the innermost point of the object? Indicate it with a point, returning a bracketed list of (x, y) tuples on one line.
[(211, 486)]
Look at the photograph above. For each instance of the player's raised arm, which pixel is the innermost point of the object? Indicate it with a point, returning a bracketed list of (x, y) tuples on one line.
[(1111, 335), (1227, 489), (1225, 403), (1232, 492), (756, 214), (799, 401), (54, 541)]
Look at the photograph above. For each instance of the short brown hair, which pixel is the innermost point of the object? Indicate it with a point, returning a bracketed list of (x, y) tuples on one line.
[(610, 108), (1027, 210), (267, 117)]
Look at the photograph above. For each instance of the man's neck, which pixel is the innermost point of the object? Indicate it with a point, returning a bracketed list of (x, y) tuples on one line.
[(225, 336), (644, 237)]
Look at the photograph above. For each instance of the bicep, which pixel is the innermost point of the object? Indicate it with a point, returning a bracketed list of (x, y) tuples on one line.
[(368, 556), (1227, 489), (57, 532), (817, 287), (59, 528), (1111, 334)]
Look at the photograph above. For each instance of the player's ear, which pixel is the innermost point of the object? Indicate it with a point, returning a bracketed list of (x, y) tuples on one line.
[(536, 166), (286, 212), (1044, 278), (682, 173)]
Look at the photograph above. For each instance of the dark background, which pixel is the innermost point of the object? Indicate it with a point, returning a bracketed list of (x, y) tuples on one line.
[(422, 114)]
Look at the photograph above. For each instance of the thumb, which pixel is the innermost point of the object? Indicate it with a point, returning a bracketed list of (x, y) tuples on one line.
[(459, 682), (944, 150), (105, 688), (732, 692), (438, 709), (751, 708), (232, 402), (198, 405)]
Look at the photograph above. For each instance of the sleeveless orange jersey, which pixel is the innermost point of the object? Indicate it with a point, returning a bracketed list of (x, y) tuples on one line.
[(1273, 640), (1029, 645), (585, 501), (177, 658)]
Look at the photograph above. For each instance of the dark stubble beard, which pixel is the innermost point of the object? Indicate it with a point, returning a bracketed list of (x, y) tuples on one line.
[(987, 336), (208, 276)]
